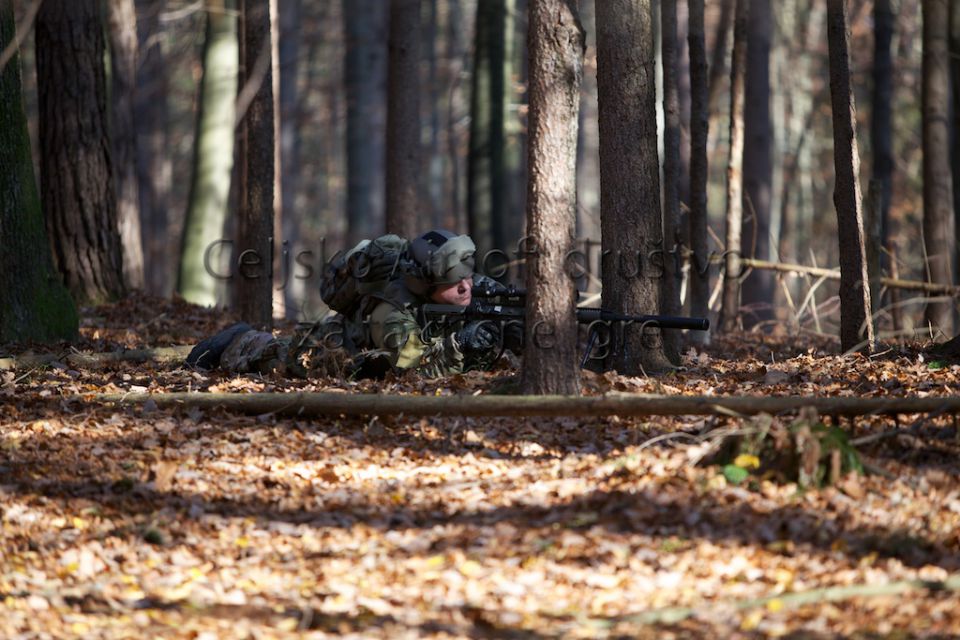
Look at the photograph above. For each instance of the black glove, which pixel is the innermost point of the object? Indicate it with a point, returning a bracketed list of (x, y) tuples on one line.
[(478, 337), (488, 287)]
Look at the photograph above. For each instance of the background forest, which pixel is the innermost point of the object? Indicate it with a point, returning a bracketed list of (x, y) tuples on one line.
[(330, 86)]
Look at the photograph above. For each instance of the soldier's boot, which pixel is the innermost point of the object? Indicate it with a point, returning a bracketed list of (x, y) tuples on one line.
[(207, 353)]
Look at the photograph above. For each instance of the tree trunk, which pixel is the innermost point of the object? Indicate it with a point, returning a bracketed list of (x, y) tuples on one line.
[(955, 84), (485, 164), (76, 176), (34, 305), (365, 69), (730, 311), (699, 131), (938, 217), (631, 232), (588, 156), (154, 167), (254, 260), (718, 55), (403, 119), (881, 135), (213, 156), (672, 272), (122, 22), (881, 123), (556, 43), (856, 323), (757, 288), (294, 291)]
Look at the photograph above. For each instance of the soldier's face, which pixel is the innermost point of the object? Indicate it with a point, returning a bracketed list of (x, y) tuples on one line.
[(457, 293)]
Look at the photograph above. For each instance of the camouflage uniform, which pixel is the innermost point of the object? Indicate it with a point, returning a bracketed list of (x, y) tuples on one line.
[(382, 332), (389, 336)]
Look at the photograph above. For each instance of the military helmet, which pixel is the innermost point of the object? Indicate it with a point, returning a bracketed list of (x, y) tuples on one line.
[(442, 257)]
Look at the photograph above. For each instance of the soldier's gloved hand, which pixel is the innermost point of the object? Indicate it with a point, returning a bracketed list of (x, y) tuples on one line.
[(478, 337), (486, 286)]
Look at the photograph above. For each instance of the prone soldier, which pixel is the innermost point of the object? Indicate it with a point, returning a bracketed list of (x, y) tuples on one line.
[(377, 288)]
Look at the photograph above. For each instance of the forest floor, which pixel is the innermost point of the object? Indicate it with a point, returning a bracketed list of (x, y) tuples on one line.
[(140, 522)]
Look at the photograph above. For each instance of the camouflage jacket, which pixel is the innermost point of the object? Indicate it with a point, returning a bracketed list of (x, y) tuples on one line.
[(386, 333)]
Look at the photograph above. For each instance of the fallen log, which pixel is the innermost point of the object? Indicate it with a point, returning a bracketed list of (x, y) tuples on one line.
[(636, 404), (86, 359), (672, 615), (834, 274)]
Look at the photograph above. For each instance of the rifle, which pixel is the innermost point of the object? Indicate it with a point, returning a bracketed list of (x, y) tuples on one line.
[(513, 311)]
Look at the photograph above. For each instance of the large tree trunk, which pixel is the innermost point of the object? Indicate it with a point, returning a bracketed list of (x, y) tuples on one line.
[(154, 166), (556, 43), (403, 119), (757, 288), (34, 305), (699, 130), (672, 272), (122, 22), (730, 311), (254, 290), (938, 217), (629, 181), (213, 156), (365, 69), (856, 323), (76, 176)]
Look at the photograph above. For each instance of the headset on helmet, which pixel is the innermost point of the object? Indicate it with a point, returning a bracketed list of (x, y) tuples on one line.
[(442, 257)]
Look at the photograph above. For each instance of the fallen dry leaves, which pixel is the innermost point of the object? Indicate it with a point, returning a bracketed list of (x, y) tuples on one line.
[(160, 523)]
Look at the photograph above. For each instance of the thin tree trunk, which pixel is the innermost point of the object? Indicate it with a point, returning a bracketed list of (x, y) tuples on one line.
[(154, 166), (457, 56), (34, 304), (672, 273), (730, 311), (856, 324), (432, 161), (485, 163), (364, 72), (699, 133), (403, 119), (122, 22), (757, 288), (291, 13), (588, 152), (79, 200), (254, 290), (629, 174), (718, 55), (881, 131), (556, 43), (881, 123), (213, 155), (938, 216), (955, 84)]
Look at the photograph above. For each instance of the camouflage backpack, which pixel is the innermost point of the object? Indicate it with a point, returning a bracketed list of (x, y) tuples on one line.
[(349, 278)]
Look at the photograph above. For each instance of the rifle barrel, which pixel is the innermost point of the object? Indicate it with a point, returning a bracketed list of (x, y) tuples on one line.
[(491, 311)]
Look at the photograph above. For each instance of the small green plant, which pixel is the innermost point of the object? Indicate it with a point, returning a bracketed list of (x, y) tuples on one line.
[(807, 452)]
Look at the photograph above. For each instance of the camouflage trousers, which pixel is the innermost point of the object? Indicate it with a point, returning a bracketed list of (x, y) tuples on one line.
[(328, 348)]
